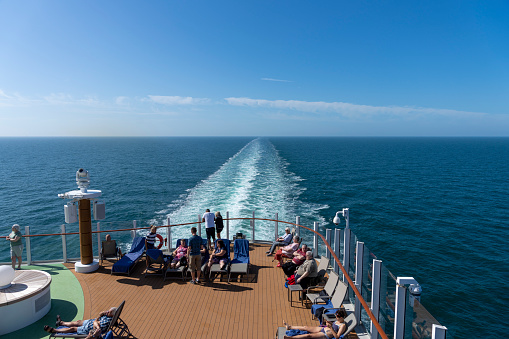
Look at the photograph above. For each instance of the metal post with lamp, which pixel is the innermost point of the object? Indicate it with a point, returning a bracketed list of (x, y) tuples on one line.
[(82, 198)]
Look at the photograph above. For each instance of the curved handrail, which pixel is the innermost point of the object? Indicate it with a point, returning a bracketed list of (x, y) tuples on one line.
[(370, 314)]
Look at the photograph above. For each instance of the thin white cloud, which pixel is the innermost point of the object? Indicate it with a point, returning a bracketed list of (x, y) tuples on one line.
[(177, 100), (345, 109), (277, 80)]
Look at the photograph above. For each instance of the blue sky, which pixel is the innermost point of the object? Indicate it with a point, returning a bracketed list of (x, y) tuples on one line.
[(256, 68)]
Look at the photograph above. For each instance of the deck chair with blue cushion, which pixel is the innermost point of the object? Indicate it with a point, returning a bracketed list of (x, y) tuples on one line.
[(128, 261), (240, 263), (181, 270), (116, 327), (156, 262), (215, 268)]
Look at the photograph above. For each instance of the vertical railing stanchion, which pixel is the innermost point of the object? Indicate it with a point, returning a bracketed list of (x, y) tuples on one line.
[(328, 237), (29, 248), (98, 240), (297, 221), (439, 332), (133, 232), (199, 225), (337, 249), (64, 242), (359, 267), (375, 294), (275, 227), (346, 252), (168, 234), (315, 240), (400, 330), (253, 226), (227, 225)]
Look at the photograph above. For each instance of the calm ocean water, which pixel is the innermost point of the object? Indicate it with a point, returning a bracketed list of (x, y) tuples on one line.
[(432, 208)]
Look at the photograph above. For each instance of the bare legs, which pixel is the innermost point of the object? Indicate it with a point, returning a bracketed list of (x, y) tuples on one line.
[(13, 259), (314, 331)]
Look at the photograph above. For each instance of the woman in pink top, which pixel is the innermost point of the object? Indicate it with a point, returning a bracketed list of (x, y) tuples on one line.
[(179, 252), (287, 251)]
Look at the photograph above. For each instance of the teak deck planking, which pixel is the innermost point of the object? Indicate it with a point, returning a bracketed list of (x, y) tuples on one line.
[(217, 309)]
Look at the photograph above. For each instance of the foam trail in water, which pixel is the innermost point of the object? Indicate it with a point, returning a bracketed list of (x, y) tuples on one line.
[(254, 179)]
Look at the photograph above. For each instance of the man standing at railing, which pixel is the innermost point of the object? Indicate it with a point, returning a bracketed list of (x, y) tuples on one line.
[(208, 218)]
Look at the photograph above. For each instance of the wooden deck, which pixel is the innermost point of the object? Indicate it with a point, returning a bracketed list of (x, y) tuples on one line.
[(157, 309)]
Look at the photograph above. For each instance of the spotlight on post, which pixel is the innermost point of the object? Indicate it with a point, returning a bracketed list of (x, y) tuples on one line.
[(345, 214)]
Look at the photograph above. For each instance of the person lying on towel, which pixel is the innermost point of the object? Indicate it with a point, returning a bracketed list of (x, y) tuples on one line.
[(92, 327)]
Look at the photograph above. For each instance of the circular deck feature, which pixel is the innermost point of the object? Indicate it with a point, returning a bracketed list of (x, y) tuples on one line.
[(27, 300)]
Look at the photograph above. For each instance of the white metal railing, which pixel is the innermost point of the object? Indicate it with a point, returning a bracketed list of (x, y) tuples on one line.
[(438, 331)]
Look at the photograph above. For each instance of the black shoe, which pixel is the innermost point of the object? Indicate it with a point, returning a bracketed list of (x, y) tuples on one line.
[(269, 254)]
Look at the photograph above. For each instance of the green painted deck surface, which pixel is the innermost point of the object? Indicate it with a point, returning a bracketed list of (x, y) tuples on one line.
[(66, 299)]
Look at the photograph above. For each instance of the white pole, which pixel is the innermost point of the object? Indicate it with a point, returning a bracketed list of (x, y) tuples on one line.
[(439, 332), (29, 249), (399, 316), (253, 226), (337, 249), (98, 241), (328, 236), (346, 252), (168, 233), (64, 242), (359, 267), (227, 225), (133, 232), (315, 240), (297, 221), (199, 225), (375, 294), (275, 227)]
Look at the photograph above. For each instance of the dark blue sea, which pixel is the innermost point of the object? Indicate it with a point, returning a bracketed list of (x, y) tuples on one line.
[(435, 209)]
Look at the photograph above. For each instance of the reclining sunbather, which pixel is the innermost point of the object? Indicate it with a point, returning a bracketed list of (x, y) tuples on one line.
[(92, 327), (333, 329)]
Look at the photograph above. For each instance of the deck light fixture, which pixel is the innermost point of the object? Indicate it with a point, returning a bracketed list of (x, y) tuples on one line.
[(343, 213)]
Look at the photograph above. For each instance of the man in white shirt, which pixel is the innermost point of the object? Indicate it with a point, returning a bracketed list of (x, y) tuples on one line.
[(285, 240), (208, 218)]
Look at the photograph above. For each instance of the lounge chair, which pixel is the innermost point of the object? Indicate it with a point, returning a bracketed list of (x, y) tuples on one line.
[(117, 326), (240, 263), (156, 262), (181, 270), (109, 249), (333, 303), (350, 320), (322, 269), (128, 261), (214, 269), (325, 292)]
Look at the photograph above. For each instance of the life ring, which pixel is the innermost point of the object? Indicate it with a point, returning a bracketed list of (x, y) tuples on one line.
[(158, 236)]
